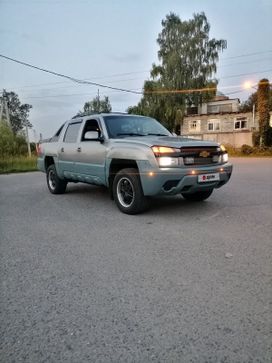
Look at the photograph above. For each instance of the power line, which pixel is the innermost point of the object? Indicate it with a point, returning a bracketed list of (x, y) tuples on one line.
[(248, 62), (94, 93), (87, 81), (162, 91), (68, 77), (157, 92), (61, 95), (247, 54), (246, 74), (234, 92), (67, 82), (64, 95), (133, 90)]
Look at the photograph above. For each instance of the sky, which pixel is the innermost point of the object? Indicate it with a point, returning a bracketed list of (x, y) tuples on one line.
[(113, 42)]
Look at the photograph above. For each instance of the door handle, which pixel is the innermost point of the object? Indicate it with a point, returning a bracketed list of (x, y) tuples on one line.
[(62, 150), (79, 149)]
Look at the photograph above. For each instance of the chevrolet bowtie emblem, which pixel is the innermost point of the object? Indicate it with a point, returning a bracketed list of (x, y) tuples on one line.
[(204, 154)]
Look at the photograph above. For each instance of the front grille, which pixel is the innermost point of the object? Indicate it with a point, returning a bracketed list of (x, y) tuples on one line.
[(200, 155), (201, 161)]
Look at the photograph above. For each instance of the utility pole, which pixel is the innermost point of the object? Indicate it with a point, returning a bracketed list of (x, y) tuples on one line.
[(253, 115), (4, 111), (35, 140), (27, 140), (98, 99)]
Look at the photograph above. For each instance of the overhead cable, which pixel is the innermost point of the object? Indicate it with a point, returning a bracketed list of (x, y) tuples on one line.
[(159, 91), (76, 80)]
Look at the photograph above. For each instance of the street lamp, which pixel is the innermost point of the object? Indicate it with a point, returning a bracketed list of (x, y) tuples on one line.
[(249, 84)]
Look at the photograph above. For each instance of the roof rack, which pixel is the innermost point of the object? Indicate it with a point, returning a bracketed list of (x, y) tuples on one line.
[(99, 113)]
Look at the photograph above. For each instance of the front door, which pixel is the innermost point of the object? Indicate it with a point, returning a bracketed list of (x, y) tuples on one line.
[(90, 157)]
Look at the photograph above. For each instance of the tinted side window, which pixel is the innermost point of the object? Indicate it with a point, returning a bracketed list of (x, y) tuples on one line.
[(90, 125), (57, 134), (72, 132)]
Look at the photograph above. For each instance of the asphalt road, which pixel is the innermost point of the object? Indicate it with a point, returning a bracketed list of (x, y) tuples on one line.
[(184, 282)]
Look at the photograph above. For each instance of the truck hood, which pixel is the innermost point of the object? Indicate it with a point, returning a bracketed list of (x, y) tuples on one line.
[(172, 141)]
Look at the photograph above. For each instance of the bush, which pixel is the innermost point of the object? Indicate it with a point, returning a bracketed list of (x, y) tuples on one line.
[(10, 144), (18, 164), (256, 138), (247, 149), (7, 141), (262, 151), (232, 150), (269, 136)]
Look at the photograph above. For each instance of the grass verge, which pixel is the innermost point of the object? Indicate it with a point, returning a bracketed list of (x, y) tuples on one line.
[(18, 164), (249, 151)]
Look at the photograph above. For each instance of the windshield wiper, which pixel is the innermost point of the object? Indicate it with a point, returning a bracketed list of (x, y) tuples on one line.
[(157, 134), (129, 134)]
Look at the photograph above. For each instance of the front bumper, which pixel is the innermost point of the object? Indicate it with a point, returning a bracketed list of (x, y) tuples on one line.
[(171, 181)]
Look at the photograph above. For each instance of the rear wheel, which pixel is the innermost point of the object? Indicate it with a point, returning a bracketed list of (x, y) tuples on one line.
[(128, 193), (197, 196), (54, 183)]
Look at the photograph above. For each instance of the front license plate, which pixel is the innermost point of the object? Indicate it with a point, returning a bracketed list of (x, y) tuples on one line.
[(205, 178)]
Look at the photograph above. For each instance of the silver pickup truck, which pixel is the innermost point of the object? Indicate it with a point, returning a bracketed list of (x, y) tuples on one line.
[(135, 157)]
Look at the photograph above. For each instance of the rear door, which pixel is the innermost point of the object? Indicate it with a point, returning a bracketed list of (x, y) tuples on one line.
[(91, 154), (68, 150)]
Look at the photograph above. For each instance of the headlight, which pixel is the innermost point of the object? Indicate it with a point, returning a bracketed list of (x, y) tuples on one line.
[(167, 161), (166, 156), (225, 158)]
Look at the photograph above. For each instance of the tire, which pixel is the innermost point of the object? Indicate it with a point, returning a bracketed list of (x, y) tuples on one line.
[(128, 193), (54, 183), (197, 196)]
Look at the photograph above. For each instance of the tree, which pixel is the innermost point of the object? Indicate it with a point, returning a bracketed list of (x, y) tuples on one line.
[(247, 106), (187, 61), (11, 144), (18, 112), (96, 106), (263, 111)]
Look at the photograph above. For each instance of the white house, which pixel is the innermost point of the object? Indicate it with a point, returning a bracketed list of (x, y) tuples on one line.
[(220, 120)]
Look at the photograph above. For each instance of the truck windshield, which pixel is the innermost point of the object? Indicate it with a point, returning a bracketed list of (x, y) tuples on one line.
[(125, 126)]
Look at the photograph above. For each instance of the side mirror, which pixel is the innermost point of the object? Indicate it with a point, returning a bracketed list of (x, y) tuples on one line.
[(92, 135)]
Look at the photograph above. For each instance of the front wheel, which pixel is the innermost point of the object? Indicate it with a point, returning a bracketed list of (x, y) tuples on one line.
[(128, 193), (54, 183), (197, 196)]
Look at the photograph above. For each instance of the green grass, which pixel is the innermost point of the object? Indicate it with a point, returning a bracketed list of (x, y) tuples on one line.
[(17, 164)]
